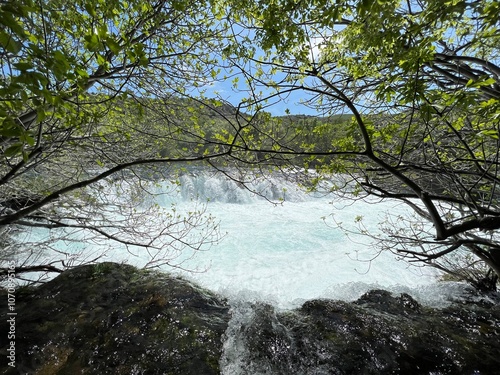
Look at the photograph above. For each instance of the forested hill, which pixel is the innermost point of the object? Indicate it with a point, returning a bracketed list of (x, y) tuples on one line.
[(181, 127)]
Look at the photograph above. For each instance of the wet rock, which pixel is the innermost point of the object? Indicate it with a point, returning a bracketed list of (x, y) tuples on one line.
[(115, 319), (382, 300), (378, 334)]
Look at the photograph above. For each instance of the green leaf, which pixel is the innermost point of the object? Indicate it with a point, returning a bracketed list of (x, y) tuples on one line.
[(9, 132), (480, 82), (61, 58), (91, 42), (179, 5), (41, 115), (114, 46), (8, 20), (101, 60), (488, 133), (102, 31), (23, 66), (9, 43), (29, 140), (89, 7), (82, 73), (13, 150)]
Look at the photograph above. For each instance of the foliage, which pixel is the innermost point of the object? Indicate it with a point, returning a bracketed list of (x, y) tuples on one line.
[(93, 92), (422, 81), (407, 95)]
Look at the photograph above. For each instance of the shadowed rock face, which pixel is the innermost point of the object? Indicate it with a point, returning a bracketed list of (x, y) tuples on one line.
[(378, 334), (115, 319)]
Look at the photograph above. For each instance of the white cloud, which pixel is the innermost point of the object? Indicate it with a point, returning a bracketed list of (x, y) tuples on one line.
[(315, 46)]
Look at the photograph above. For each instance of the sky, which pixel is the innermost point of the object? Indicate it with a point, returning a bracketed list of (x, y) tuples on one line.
[(291, 103)]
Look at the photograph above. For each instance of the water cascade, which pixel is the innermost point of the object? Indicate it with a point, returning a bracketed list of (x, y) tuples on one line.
[(283, 246), (284, 292)]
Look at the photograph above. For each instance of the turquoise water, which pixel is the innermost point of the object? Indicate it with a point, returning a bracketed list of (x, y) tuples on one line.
[(291, 251), (283, 249)]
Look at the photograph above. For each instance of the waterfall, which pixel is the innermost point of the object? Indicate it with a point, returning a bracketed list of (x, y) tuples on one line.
[(279, 243), (290, 290), (282, 245)]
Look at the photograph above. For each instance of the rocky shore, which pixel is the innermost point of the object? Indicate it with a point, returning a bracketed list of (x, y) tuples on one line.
[(116, 319)]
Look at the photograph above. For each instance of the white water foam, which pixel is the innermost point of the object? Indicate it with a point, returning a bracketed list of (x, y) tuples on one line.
[(290, 252), (282, 253)]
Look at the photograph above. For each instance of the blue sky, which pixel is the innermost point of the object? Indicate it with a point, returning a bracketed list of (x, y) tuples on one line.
[(279, 106), (224, 88)]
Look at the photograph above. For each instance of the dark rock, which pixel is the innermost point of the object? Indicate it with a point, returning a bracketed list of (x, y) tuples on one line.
[(115, 319), (378, 334), (383, 300)]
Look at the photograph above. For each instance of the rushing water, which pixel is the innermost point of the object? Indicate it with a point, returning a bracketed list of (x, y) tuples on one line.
[(284, 249), (288, 252)]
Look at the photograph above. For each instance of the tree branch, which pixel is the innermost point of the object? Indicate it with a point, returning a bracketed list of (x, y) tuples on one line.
[(12, 218)]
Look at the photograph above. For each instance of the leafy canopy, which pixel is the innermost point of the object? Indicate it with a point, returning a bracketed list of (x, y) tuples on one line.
[(422, 81)]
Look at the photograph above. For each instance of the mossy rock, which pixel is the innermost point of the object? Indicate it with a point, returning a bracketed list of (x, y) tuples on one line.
[(116, 319)]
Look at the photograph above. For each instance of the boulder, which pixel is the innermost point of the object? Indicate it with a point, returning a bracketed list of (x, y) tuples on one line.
[(377, 334), (116, 319)]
